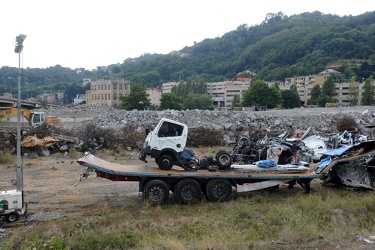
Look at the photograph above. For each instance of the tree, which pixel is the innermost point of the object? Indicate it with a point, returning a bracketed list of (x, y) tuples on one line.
[(353, 92), (137, 99), (368, 92), (329, 87), (259, 94), (324, 99), (170, 101), (197, 101), (291, 98), (315, 93), (236, 102)]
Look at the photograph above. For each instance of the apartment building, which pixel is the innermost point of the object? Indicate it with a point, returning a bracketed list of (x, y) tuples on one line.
[(166, 87), (79, 99), (224, 92), (305, 84), (107, 92), (154, 96), (46, 98)]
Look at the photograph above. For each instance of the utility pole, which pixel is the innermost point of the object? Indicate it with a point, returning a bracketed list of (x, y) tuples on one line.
[(19, 174)]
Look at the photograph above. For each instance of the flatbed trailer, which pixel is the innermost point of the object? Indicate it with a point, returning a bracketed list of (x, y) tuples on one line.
[(188, 186)]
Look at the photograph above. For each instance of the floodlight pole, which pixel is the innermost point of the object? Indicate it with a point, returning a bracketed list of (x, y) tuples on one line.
[(19, 173)]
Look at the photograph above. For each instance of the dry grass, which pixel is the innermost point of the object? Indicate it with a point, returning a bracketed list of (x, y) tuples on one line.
[(275, 219), (6, 157)]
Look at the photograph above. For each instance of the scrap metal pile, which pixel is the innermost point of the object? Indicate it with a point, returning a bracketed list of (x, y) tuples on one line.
[(313, 148)]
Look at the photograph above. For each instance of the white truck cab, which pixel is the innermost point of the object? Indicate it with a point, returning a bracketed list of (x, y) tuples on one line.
[(166, 143)]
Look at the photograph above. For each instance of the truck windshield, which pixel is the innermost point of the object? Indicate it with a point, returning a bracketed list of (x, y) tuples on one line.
[(170, 129)]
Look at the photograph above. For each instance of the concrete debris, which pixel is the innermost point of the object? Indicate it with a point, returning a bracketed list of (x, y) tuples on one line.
[(361, 238)]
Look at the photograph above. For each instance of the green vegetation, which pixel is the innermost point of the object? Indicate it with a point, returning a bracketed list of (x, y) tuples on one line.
[(274, 219), (74, 153), (325, 96), (281, 46), (170, 101), (369, 92), (6, 157), (137, 99), (260, 94)]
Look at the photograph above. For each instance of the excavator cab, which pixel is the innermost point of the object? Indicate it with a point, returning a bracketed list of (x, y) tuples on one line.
[(37, 118)]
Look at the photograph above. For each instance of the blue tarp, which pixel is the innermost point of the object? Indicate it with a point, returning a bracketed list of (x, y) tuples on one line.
[(265, 163), (323, 163), (337, 151)]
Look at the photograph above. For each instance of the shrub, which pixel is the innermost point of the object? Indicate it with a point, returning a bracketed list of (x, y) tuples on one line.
[(345, 123), (5, 157)]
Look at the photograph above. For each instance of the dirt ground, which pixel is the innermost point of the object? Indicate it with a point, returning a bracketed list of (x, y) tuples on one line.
[(50, 191), (51, 194)]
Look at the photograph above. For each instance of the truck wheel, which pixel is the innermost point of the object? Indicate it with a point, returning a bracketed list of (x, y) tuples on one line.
[(11, 217), (156, 192), (188, 191), (219, 190), (165, 162), (223, 159)]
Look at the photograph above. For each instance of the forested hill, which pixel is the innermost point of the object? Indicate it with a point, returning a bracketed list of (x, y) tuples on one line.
[(281, 46)]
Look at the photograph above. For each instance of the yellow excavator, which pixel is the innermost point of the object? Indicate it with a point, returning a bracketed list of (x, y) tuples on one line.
[(33, 117)]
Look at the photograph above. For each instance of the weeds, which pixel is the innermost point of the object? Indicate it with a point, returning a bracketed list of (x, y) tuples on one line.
[(6, 157), (257, 221), (74, 153)]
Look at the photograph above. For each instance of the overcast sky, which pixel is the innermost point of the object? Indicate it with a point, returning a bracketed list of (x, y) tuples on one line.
[(99, 33)]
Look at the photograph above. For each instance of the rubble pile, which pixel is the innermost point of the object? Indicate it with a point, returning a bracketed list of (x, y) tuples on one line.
[(113, 128), (275, 121)]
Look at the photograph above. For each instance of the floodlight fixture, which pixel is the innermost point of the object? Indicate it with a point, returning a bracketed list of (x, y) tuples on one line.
[(19, 41)]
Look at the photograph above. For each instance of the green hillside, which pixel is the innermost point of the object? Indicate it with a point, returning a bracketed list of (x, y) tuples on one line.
[(281, 46)]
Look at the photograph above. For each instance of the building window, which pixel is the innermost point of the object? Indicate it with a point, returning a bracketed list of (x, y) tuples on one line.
[(120, 86)]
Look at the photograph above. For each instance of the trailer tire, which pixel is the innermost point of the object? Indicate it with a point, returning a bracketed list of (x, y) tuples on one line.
[(188, 191), (223, 159), (11, 217), (156, 192), (165, 162), (218, 190)]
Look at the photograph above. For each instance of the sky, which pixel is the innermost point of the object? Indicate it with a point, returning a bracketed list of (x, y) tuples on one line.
[(88, 34)]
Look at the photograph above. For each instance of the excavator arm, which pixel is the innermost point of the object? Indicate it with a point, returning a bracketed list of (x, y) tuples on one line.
[(14, 111), (33, 117)]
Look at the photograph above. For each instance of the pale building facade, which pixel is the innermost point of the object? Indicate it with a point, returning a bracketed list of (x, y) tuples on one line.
[(154, 96), (305, 84), (166, 87), (47, 98), (223, 92), (80, 98), (107, 92)]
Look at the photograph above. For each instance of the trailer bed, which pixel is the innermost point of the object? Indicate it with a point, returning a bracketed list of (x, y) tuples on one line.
[(118, 172)]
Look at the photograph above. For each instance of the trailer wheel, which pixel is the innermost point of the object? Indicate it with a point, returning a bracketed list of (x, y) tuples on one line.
[(11, 217), (219, 190), (223, 159), (188, 191), (156, 192), (165, 162)]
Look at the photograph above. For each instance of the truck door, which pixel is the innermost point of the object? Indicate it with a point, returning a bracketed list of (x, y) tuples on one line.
[(171, 135)]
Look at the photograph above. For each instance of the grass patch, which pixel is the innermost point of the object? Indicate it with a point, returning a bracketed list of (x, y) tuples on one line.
[(74, 153), (6, 157), (257, 220)]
